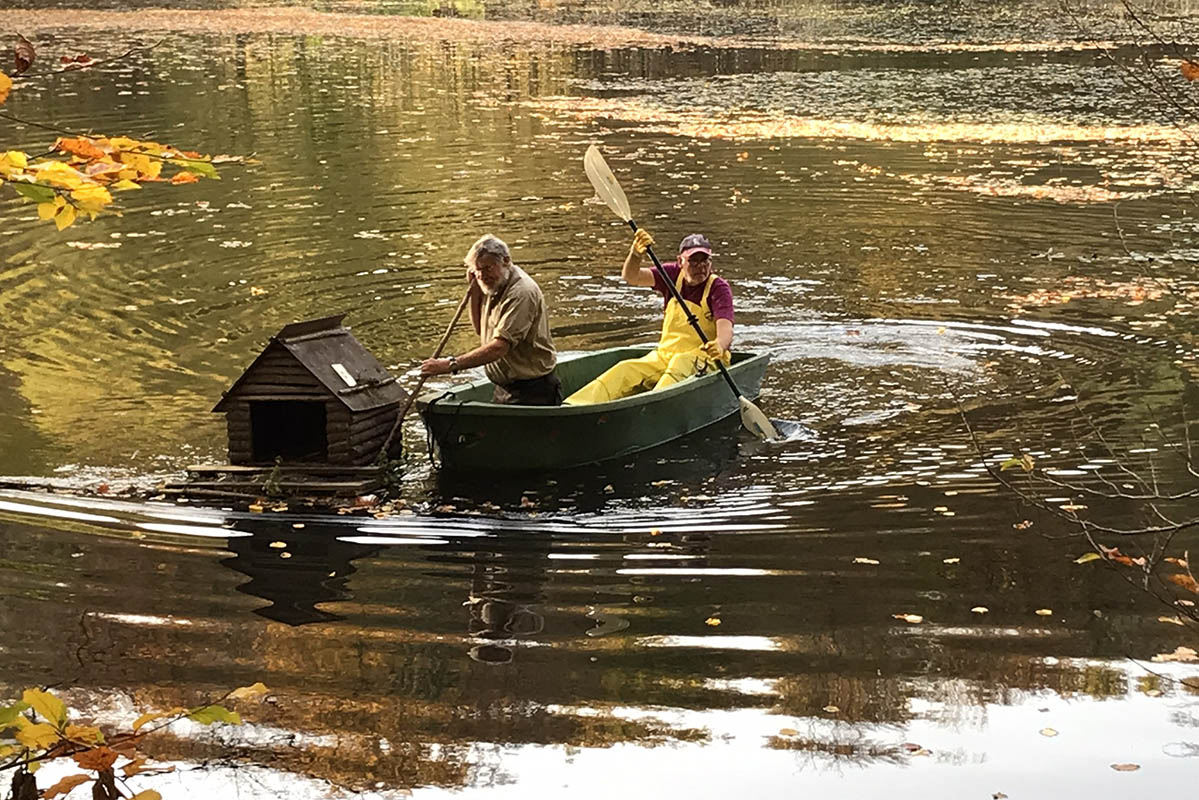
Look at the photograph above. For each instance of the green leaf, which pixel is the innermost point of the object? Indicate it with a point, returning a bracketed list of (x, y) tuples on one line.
[(204, 168), (34, 191), (209, 715), (1086, 557), (9, 714), (47, 706)]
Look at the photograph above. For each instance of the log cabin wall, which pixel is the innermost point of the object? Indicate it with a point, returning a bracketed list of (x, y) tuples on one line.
[(368, 431), (339, 421), (241, 440)]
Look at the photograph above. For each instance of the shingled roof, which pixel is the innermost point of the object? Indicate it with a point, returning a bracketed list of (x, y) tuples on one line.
[(337, 360)]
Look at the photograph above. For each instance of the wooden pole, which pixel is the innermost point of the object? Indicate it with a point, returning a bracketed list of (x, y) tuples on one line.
[(420, 384)]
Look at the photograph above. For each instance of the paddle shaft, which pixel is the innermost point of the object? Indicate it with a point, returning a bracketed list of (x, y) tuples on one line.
[(445, 338), (690, 317)]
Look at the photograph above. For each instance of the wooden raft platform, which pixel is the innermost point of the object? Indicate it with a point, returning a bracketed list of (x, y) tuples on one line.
[(287, 480)]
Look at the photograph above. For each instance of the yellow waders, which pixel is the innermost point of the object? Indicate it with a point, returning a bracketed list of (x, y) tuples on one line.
[(678, 355)]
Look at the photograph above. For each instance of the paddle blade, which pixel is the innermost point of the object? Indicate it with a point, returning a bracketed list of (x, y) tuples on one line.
[(756, 422), (605, 183)]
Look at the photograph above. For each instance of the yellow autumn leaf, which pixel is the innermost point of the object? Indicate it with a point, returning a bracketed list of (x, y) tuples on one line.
[(17, 159), (5, 87), (47, 706), (36, 735), (147, 794), (56, 173), (91, 199), (251, 692), (65, 217), (124, 184), (48, 210), (153, 715), (84, 733)]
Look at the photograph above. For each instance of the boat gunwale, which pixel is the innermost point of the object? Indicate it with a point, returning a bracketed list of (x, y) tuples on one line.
[(441, 405)]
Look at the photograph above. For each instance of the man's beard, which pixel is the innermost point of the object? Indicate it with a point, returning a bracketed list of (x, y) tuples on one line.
[(491, 289)]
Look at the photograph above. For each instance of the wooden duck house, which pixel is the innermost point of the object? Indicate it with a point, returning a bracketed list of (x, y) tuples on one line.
[(314, 396)]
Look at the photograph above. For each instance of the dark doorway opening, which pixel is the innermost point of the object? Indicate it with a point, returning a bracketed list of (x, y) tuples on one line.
[(293, 430)]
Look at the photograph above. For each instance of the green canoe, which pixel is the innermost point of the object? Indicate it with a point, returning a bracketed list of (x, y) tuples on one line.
[(471, 433)]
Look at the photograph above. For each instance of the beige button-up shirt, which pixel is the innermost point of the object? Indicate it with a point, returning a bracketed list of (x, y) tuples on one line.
[(516, 313)]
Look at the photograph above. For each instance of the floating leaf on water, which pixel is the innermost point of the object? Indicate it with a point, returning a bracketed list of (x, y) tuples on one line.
[(1174, 620), (278, 545), (1180, 653), (1189, 69), (1050, 732), (999, 796), (831, 709), (1185, 581), (255, 508), (1044, 612), (864, 560), (950, 560), (1022, 525), (788, 732), (251, 692), (1088, 557), (712, 621), (914, 619), (1126, 767), (980, 610)]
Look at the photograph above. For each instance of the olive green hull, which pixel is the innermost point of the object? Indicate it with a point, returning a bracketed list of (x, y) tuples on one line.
[(472, 433)]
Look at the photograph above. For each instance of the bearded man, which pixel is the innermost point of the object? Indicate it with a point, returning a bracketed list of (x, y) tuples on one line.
[(508, 311)]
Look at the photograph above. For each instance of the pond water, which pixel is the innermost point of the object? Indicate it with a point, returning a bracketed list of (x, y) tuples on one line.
[(919, 220)]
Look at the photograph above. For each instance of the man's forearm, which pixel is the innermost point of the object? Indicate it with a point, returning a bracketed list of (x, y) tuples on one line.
[(724, 334), (492, 351)]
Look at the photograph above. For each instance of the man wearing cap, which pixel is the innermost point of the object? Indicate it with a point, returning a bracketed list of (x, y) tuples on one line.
[(515, 348), (680, 353)]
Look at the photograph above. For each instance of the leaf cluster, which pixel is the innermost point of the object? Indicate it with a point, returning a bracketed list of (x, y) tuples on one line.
[(37, 729), (79, 173)]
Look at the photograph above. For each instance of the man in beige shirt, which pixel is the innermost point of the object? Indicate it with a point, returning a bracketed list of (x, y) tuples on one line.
[(507, 308)]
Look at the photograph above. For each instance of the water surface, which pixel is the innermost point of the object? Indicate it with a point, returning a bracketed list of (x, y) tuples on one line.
[(913, 228)]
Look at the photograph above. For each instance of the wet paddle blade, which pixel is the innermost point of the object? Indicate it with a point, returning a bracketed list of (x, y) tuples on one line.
[(757, 422), (605, 183)]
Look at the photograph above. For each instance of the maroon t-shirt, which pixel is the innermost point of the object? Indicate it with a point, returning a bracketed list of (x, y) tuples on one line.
[(720, 299)]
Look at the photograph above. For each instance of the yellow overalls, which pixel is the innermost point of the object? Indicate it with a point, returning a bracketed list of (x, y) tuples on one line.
[(678, 355)]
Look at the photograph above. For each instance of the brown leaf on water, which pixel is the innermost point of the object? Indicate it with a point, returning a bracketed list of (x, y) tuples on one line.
[(1050, 732), (1181, 562), (1174, 620), (1185, 581), (1189, 69), (1180, 653), (23, 54), (911, 619), (1126, 767)]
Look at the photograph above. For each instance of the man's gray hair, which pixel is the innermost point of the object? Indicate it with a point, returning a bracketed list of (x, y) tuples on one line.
[(487, 244)]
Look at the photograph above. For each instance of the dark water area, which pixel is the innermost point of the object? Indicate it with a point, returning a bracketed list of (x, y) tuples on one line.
[(914, 230)]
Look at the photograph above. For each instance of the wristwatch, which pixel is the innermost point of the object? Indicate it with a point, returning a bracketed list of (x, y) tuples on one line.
[(453, 364)]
